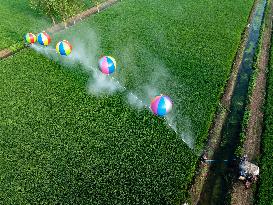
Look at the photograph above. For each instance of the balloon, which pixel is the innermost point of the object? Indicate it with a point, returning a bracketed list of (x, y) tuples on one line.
[(64, 48), (107, 64), (30, 38), (161, 105), (44, 38)]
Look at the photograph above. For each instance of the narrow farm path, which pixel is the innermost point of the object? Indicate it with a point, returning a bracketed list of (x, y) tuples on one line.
[(70, 22), (5, 53), (251, 146), (221, 115)]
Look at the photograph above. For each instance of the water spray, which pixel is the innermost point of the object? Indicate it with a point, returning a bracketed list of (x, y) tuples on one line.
[(101, 83)]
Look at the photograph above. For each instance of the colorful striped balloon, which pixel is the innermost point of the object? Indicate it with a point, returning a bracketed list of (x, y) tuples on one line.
[(30, 38), (64, 48), (161, 105), (107, 65), (44, 38)]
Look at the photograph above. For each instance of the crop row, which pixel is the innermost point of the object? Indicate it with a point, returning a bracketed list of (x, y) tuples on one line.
[(265, 192)]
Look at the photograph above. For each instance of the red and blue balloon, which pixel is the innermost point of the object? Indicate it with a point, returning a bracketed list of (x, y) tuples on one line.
[(44, 39)]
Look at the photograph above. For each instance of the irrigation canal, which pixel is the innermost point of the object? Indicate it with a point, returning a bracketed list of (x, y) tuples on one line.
[(218, 183)]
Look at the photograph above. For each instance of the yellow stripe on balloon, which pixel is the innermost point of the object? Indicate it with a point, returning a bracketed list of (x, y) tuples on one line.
[(44, 38), (67, 49), (57, 47)]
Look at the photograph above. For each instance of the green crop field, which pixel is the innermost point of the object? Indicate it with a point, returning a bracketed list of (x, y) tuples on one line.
[(265, 186), (60, 144), (17, 19)]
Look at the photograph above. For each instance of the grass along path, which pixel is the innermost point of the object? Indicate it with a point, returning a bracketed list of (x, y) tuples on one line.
[(265, 189)]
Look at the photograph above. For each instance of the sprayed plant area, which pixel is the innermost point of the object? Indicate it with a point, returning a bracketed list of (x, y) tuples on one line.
[(186, 58), (73, 135)]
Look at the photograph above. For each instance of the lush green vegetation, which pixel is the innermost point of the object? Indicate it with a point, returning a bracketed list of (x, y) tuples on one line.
[(57, 9), (60, 10), (91, 3), (59, 144), (195, 46), (265, 195)]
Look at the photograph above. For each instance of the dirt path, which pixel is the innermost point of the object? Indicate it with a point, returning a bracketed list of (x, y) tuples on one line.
[(251, 146), (70, 22), (5, 53), (222, 112)]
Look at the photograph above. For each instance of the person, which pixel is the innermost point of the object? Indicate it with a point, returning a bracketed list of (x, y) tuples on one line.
[(249, 179), (247, 184), (204, 158), (244, 158)]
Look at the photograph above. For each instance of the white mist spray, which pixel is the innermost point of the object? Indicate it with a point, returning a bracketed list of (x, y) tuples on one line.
[(134, 101), (155, 81), (84, 54)]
